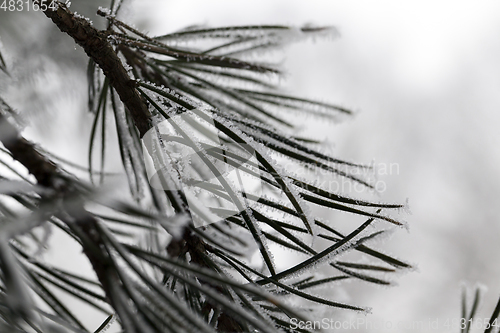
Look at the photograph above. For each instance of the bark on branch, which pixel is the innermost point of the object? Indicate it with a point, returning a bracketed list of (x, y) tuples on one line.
[(25, 152)]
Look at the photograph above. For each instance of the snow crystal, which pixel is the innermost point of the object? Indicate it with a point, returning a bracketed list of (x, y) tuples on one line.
[(105, 11), (75, 14)]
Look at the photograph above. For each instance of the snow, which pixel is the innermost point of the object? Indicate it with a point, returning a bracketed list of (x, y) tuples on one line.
[(104, 10), (75, 14)]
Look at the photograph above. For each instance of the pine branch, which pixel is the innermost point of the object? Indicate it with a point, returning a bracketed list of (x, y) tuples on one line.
[(97, 46), (189, 299)]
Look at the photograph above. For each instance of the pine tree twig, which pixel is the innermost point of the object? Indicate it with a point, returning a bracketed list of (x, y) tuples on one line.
[(25, 153), (97, 46)]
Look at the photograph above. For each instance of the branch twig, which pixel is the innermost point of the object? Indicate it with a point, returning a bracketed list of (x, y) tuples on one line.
[(97, 46)]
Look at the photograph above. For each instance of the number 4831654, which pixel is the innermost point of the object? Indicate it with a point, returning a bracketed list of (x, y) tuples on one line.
[(27, 5)]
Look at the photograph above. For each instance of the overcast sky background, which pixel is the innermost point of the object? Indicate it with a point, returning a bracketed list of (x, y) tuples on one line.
[(424, 77)]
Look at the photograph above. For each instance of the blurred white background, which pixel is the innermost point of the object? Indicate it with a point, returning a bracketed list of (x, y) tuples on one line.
[(424, 77)]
